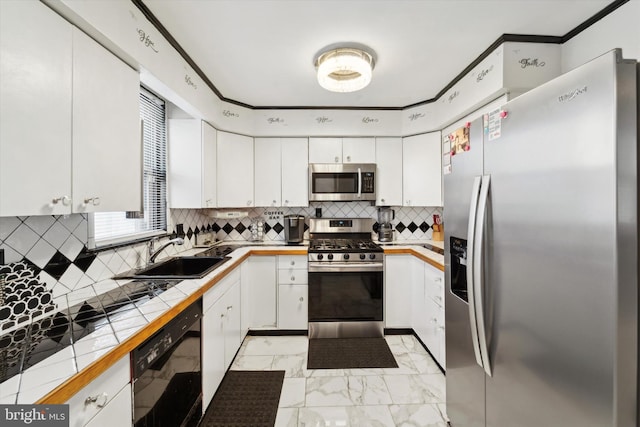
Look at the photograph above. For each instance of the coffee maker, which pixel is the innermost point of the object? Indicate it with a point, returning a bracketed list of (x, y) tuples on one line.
[(385, 228), (293, 229)]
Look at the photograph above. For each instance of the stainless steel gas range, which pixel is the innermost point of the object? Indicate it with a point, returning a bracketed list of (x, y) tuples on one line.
[(345, 279)]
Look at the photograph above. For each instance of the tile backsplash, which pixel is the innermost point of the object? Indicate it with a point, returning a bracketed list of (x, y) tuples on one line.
[(55, 247)]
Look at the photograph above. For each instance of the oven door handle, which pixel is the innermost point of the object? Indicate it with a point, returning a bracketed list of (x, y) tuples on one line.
[(341, 267)]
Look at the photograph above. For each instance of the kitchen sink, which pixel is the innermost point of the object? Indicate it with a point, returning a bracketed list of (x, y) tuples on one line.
[(184, 267)]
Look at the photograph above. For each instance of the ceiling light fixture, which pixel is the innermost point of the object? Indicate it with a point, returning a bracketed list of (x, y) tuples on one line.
[(344, 69)]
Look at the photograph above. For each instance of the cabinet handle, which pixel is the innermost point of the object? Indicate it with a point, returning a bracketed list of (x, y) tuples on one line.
[(348, 158), (286, 201), (336, 159), (439, 298), (407, 203), (438, 279), (441, 327), (434, 320), (222, 315), (293, 278), (94, 399), (248, 202), (66, 200), (274, 203), (382, 200), (95, 201), (293, 263), (229, 307), (301, 299)]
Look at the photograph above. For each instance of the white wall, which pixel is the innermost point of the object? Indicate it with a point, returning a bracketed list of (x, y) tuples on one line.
[(620, 29)]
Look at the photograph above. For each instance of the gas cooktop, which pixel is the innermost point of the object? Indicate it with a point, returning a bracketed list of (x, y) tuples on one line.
[(343, 245)]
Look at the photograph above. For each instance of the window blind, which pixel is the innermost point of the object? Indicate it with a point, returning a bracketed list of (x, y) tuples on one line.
[(116, 227)]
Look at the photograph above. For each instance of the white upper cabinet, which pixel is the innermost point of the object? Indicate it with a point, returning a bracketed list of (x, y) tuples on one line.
[(358, 150), (281, 177), (107, 144), (235, 170), (66, 144), (209, 160), (422, 170), (342, 150), (268, 177), (325, 150), (35, 110), (192, 164), (295, 172), (389, 171)]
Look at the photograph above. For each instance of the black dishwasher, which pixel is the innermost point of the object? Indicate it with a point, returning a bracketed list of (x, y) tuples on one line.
[(167, 375)]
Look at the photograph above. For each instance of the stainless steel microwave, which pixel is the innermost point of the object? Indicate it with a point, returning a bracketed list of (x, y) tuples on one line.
[(342, 181)]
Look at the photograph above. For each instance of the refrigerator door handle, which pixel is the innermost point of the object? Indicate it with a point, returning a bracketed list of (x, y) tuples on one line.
[(471, 233), (478, 273)]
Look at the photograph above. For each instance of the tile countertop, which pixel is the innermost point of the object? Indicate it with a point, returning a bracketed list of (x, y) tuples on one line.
[(60, 376)]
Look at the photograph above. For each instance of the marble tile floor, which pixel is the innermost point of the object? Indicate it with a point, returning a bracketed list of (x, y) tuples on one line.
[(411, 395)]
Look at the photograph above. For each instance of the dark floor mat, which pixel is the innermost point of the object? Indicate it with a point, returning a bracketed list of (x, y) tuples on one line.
[(346, 353), (245, 398)]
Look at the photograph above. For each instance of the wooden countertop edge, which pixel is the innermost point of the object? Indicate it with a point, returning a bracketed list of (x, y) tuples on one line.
[(409, 251), (77, 382)]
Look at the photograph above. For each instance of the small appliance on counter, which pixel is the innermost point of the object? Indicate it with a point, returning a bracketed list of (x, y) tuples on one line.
[(293, 229), (385, 228)]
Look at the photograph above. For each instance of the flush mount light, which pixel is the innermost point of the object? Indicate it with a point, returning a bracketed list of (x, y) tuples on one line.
[(344, 69)]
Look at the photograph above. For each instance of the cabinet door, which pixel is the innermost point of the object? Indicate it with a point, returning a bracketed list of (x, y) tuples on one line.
[(422, 170), (259, 279), (118, 412), (398, 288), (389, 172), (35, 110), (268, 182), (213, 351), (295, 172), (325, 150), (292, 306), (104, 388), (209, 155), (185, 165), (107, 145), (358, 150), (232, 337), (235, 170)]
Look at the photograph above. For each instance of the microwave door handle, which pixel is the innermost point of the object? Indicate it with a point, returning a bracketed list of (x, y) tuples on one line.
[(359, 182)]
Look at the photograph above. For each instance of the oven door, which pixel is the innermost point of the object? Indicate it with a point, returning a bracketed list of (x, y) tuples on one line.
[(348, 292)]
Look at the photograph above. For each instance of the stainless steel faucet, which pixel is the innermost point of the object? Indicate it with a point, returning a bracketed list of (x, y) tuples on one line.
[(153, 253)]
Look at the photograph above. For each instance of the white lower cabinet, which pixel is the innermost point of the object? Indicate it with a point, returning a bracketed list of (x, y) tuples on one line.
[(293, 291), (106, 400), (414, 293), (221, 336), (398, 286), (117, 412), (259, 293)]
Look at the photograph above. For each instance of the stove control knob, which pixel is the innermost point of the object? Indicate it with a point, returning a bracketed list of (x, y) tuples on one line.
[(330, 256), (362, 256), (346, 256), (372, 256), (320, 256)]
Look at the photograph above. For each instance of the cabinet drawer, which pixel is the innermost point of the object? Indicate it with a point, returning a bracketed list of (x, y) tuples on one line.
[(292, 276), (434, 284), (92, 399), (292, 261)]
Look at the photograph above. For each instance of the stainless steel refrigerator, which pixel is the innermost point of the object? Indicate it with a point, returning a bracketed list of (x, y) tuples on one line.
[(541, 254)]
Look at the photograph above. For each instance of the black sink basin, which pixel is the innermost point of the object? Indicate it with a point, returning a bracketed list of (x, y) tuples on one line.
[(186, 267)]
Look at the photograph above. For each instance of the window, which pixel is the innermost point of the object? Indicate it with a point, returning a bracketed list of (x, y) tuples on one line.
[(118, 227)]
